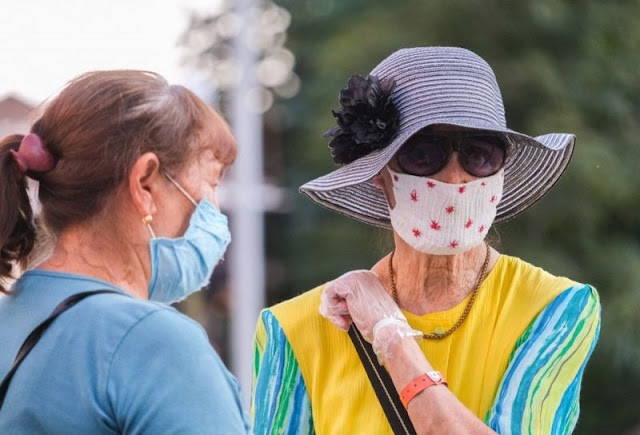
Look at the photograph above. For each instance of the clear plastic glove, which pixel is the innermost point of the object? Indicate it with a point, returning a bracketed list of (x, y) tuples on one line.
[(360, 297)]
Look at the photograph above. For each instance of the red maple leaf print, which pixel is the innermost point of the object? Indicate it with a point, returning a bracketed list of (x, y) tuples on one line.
[(450, 209), (453, 244), (481, 229), (462, 189), (395, 178), (468, 224), (431, 184), (435, 225), (493, 198), (414, 195), (417, 232)]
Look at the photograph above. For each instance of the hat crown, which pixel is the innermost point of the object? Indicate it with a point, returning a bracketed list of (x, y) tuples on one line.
[(443, 85)]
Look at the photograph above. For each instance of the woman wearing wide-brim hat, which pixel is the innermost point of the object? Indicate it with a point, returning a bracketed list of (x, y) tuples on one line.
[(470, 341)]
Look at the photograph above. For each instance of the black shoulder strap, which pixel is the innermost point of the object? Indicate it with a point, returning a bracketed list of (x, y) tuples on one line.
[(383, 385), (33, 338)]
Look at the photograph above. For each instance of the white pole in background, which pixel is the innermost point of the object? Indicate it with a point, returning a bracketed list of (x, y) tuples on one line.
[(247, 269)]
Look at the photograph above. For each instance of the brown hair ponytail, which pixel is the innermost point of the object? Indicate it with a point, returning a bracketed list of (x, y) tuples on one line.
[(17, 232)]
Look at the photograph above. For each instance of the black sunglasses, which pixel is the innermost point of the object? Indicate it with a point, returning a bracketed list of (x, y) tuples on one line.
[(480, 154)]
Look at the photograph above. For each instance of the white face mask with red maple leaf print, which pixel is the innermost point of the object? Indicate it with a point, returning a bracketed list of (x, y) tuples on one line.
[(444, 219)]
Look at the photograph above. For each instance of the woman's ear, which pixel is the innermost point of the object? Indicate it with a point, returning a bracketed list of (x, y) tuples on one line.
[(145, 180), (377, 180), (382, 180)]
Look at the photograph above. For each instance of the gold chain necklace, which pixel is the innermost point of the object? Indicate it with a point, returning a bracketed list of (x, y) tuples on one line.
[(474, 294)]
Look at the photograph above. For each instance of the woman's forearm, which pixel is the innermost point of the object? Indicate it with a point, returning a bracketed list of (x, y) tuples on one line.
[(436, 409)]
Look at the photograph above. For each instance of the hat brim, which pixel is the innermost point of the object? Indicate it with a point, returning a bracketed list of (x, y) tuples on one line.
[(534, 165)]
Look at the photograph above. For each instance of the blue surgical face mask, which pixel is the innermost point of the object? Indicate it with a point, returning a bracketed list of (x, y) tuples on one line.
[(184, 265)]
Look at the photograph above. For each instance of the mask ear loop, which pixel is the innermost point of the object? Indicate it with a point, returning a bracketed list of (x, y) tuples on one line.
[(181, 189), (148, 218)]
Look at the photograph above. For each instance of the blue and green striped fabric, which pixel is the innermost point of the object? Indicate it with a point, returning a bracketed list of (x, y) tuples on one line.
[(280, 404), (540, 390), (539, 393)]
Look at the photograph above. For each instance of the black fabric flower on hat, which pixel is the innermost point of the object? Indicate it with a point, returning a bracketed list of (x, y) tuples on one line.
[(367, 121)]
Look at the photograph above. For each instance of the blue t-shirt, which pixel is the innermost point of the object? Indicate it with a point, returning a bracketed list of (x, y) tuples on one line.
[(111, 364)]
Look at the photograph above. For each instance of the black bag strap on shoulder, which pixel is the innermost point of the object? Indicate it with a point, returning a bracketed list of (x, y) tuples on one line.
[(382, 385), (33, 338)]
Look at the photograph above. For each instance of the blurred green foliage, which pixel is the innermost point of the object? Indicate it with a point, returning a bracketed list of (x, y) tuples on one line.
[(563, 66)]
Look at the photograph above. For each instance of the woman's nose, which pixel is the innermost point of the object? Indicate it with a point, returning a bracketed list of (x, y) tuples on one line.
[(453, 172)]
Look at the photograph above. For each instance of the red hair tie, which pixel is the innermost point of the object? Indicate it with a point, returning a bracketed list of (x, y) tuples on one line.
[(32, 155)]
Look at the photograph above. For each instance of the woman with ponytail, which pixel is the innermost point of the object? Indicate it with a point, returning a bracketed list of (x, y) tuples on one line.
[(127, 168)]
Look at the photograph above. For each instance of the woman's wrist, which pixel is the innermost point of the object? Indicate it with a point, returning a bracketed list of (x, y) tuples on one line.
[(389, 331), (407, 362)]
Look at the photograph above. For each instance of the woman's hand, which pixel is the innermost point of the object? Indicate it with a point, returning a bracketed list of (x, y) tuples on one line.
[(360, 297)]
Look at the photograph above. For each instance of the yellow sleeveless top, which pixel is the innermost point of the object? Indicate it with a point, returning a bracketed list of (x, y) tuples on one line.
[(473, 359)]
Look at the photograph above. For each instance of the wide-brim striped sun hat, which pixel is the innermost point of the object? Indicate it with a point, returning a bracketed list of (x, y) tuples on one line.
[(444, 86)]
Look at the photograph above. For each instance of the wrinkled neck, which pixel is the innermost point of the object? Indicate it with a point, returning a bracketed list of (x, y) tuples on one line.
[(427, 283), (102, 251)]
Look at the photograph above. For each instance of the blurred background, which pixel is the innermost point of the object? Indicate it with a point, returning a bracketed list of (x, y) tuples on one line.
[(275, 70)]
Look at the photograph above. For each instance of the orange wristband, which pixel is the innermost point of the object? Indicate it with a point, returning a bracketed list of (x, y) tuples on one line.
[(419, 384)]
